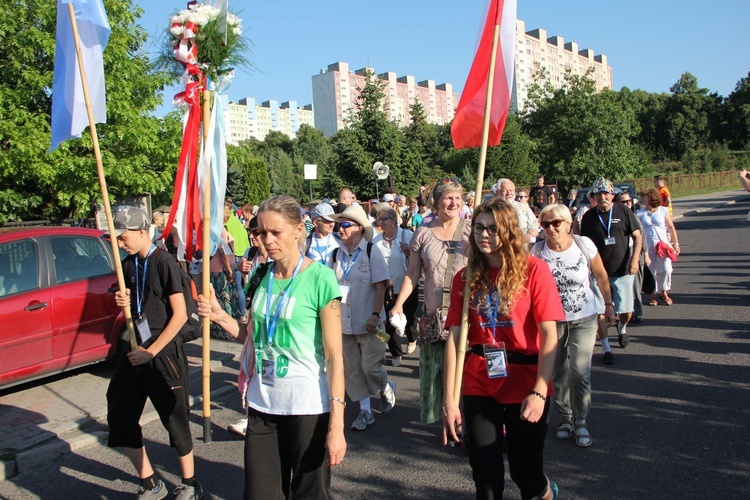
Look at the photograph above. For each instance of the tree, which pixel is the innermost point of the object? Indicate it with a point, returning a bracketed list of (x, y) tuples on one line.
[(311, 146), (139, 152), (247, 179), (581, 134), (685, 122), (738, 114)]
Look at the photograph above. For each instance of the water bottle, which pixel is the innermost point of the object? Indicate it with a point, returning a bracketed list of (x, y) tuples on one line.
[(384, 337)]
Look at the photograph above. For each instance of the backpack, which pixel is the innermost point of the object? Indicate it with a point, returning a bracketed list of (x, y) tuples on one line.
[(255, 280), (191, 330)]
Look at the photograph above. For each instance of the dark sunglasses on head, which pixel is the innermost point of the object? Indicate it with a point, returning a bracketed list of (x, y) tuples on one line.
[(556, 223), (479, 229), (346, 225)]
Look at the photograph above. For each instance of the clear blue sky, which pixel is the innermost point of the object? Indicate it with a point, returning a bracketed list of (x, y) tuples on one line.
[(649, 43)]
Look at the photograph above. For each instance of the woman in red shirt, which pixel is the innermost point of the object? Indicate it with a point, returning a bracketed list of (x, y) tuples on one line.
[(513, 339)]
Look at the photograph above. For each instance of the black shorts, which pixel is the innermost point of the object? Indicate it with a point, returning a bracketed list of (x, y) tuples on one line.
[(164, 380)]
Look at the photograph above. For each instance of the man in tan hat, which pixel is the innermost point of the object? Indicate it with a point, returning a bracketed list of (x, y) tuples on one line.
[(363, 277)]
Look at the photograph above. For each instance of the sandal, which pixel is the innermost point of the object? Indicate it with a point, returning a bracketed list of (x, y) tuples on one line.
[(583, 438), (653, 301), (564, 431), (666, 299)]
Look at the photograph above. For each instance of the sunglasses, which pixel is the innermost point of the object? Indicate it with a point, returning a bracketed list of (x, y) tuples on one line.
[(479, 229), (346, 225), (255, 232), (382, 219), (556, 223), (626, 201)]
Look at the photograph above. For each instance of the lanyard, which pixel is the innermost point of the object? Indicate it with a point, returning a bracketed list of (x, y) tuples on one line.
[(280, 303), (140, 290), (322, 251), (348, 268), (609, 224)]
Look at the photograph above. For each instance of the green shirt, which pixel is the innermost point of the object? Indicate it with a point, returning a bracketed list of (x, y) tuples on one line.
[(239, 233)]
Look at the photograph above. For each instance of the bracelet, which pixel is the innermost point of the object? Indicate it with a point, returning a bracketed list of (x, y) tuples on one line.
[(535, 393), (376, 314), (609, 304), (338, 400)]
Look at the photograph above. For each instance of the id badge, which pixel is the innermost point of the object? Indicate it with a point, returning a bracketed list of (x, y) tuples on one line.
[(144, 332), (497, 360), (609, 241), (344, 290), (268, 376)]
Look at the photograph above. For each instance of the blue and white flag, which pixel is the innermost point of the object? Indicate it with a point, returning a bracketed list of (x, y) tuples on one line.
[(69, 115)]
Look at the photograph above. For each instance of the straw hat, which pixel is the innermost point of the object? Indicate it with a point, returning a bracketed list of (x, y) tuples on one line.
[(358, 215)]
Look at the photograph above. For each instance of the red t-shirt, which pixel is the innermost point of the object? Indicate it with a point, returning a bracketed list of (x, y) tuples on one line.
[(539, 302)]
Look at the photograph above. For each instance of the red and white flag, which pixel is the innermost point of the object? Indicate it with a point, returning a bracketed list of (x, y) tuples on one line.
[(466, 129)]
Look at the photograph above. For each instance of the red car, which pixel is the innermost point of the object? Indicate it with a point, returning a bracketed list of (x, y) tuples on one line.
[(57, 307)]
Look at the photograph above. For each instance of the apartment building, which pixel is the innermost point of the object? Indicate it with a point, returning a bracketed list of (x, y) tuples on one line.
[(246, 118), (335, 97), (535, 49)]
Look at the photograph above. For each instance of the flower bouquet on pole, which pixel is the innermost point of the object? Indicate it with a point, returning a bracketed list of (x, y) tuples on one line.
[(204, 44)]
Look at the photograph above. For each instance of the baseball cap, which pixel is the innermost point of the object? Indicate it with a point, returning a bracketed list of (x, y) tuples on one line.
[(603, 185), (130, 218), (323, 210), (388, 197)]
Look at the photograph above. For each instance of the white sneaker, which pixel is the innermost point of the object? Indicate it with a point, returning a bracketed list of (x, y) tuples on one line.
[(239, 427), (388, 397), (411, 347)]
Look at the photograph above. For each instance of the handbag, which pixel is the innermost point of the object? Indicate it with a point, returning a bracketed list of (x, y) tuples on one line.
[(649, 282), (431, 325)]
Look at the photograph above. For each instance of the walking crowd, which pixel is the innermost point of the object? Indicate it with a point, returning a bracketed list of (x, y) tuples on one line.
[(322, 298)]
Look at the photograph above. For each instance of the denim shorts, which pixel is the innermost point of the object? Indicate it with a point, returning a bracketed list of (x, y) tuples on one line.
[(622, 293)]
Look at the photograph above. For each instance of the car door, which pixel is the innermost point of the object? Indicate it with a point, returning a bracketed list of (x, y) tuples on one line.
[(84, 308), (25, 310)]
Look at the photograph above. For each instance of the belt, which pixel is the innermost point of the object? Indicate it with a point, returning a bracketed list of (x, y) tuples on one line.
[(514, 358)]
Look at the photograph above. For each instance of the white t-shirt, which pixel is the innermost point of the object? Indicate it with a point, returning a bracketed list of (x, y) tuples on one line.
[(394, 256), (570, 270), (321, 249)]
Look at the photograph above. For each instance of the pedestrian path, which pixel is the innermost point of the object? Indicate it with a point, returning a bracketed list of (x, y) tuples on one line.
[(44, 421)]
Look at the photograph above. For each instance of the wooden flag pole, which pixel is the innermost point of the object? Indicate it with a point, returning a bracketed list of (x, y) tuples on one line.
[(461, 352), (206, 285), (102, 180)]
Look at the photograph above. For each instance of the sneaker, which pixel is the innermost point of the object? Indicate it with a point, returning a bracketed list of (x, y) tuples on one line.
[(555, 490), (239, 427), (185, 492), (388, 397), (622, 335), (364, 419), (608, 358), (411, 347), (159, 492), (396, 361)]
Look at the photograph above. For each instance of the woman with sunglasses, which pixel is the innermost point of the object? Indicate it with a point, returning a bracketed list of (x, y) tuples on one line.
[(363, 277), (393, 243), (514, 307), (572, 260), (431, 248), (292, 359)]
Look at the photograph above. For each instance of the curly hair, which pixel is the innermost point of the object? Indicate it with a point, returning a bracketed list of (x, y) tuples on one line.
[(511, 279)]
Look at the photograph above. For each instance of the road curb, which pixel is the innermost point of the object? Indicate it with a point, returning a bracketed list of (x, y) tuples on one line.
[(74, 437)]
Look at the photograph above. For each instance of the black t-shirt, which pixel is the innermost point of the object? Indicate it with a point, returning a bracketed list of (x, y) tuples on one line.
[(594, 225), (540, 196), (163, 280)]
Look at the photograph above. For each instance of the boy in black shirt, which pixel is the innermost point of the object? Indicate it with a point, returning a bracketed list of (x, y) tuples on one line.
[(157, 368)]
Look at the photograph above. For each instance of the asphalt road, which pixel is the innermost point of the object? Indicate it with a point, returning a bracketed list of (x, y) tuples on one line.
[(669, 419)]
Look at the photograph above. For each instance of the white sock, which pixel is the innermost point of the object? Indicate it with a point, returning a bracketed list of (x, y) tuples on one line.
[(605, 346), (623, 328), (365, 405)]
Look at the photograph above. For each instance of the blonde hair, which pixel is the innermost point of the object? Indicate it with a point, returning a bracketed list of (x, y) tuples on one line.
[(557, 210), (512, 278)]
